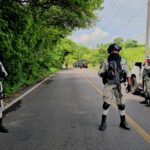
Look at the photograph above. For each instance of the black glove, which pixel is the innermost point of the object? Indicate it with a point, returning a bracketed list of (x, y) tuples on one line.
[(102, 74), (128, 88), (104, 77)]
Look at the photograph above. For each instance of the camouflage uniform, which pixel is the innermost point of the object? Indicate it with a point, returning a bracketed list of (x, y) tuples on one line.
[(3, 73), (110, 91), (146, 82), (114, 71)]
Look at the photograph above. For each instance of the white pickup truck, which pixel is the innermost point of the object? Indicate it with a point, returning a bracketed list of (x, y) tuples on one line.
[(136, 77)]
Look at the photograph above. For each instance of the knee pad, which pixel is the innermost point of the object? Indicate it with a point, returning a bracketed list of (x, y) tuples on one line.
[(121, 107), (106, 106)]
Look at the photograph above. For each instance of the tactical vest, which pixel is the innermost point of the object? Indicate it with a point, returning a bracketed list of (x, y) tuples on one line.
[(115, 74), (146, 72)]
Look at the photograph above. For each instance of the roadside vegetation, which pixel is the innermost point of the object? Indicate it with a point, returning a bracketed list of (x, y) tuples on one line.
[(132, 51), (33, 35), (34, 43)]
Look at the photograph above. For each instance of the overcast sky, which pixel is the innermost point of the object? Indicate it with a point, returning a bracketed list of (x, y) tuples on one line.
[(119, 18)]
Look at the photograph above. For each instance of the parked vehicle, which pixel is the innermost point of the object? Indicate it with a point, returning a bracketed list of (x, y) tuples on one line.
[(136, 77), (83, 64), (76, 64)]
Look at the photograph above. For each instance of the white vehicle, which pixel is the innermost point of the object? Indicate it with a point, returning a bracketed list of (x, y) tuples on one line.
[(136, 77)]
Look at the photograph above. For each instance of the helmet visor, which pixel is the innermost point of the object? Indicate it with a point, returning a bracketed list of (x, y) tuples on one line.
[(116, 47)]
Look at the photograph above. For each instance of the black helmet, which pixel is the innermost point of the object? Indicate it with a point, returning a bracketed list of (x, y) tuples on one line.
[(113, 46)]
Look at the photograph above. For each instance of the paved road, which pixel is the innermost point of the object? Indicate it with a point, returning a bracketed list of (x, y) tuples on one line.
[(64, 114)]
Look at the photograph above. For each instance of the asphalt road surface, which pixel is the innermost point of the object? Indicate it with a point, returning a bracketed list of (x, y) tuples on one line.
[(64, 113)]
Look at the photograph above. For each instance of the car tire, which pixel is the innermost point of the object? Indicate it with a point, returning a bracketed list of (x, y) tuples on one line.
[(134, 85)]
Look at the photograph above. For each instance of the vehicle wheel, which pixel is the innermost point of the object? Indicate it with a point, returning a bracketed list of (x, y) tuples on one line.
[(133, 85)]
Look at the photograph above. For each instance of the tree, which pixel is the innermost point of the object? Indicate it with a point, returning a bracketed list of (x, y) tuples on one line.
[(130, 43), (118, 41), (32, 31), (68, 14)]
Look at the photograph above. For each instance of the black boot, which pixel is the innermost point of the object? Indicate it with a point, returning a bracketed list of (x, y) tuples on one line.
[(2, 128), (144, 102), (148, 103), (102, 126), (123, 123)]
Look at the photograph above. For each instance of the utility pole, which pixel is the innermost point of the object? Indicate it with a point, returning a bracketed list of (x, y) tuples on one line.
[(147, 31)]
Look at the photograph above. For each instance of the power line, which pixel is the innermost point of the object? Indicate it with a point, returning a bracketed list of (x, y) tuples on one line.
[(116, 12), (130, 20), (111, 4), (110, 10)]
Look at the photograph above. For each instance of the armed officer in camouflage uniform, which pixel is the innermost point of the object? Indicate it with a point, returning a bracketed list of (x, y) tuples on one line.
[(3, 74), (146, 82), (114, 71)]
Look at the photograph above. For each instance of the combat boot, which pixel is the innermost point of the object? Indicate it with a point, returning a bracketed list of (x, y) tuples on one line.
[(143, 102), (148, 105), (123, 123), (102, 126), (146, 101), (2, 128)]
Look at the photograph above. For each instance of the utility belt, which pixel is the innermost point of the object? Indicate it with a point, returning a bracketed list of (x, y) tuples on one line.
[(111, 82)]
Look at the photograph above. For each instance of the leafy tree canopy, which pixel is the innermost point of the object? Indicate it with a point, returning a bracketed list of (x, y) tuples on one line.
[(118, 40)]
